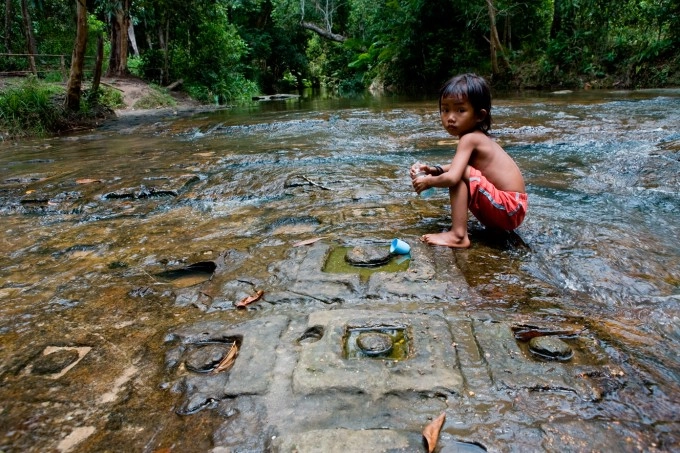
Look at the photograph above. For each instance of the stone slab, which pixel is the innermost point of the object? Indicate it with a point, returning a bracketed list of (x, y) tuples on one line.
[(251, 373), (510, 367), (430, 366)]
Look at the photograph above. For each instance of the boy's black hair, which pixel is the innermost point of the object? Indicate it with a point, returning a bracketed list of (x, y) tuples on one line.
[(473, 88)]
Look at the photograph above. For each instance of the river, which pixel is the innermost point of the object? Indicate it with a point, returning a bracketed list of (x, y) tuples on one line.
[(91, 221)]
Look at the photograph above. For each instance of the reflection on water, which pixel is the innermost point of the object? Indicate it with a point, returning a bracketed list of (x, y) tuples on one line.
[(88, 220)]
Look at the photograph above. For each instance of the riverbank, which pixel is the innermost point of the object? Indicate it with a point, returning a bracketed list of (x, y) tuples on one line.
[(32, 107)]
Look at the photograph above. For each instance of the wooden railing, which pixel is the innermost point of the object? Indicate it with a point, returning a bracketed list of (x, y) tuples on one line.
[(41, 67)]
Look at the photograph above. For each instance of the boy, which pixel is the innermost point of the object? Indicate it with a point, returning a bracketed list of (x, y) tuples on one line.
[(481, 176)]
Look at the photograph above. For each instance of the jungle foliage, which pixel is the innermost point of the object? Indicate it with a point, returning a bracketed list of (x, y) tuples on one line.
[(224, 50)]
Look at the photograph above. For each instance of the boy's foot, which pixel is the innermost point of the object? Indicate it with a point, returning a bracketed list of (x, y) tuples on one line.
[(446, 239)]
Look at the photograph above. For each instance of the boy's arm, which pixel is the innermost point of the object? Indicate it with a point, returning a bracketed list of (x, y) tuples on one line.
[(454, 171)]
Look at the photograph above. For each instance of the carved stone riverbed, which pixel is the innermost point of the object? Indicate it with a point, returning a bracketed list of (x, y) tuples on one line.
[(221, 281)]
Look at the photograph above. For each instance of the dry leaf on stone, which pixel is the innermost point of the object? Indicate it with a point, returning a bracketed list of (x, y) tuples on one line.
[(431, 432), (308, 241), (228, 361), (250, 299)]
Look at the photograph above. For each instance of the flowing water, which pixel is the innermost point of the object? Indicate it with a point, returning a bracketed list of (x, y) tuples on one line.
[(89, 223)]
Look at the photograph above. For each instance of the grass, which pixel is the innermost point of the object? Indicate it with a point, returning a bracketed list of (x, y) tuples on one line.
[(35, 108), (158, 97), (29, 108)]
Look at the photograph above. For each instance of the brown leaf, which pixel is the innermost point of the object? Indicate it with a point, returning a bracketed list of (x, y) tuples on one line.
[(308, 241), (87, 181), (250, 299), (228, 361), (431, 432)]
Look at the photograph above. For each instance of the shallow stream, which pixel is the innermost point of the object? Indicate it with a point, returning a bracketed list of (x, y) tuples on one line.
[(89, 222)]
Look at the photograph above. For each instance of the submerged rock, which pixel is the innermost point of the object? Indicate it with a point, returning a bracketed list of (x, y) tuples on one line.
[(368, 256), (204, 358), (374, 343), (552, 348)]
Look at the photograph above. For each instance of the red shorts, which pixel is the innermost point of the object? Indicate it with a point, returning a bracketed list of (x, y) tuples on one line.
[(495, 208)]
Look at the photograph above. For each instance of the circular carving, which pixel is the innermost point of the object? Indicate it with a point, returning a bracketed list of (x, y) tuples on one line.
[(368, 256), (374, 343), (204, 358), (550, 348)]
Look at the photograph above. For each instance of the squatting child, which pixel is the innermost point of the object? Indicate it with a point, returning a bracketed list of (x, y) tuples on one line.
[(482, 177)]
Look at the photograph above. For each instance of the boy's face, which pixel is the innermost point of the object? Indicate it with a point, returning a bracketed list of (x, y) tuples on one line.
[(458, 116)]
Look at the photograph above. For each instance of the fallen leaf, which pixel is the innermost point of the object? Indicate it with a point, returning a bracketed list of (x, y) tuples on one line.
[(308, 241), (87, 181), (431, 432), (228, 361), (30, 191), (250, 299)]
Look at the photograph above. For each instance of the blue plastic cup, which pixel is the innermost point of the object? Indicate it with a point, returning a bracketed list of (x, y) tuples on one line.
[(399, 247)]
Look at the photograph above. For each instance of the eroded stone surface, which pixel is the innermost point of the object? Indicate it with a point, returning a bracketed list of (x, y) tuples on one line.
[(431, 366), (510, 367), (252, 370)]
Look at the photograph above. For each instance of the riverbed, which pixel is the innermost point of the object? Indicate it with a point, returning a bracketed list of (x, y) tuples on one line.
[(127, 248)]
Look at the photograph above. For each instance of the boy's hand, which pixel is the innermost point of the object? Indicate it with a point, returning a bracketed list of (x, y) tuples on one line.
[(421, 183), (418, 168)]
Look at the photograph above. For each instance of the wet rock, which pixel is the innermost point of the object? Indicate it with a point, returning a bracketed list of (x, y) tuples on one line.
[(525, 332), (552, 348), (141, 291), (296, 181), (204, 358), (374, 343), (368, 256), (337, 440), (461, 447), (189, 276), (594, 435), (195, 403), (311, 335), (294, 225), (55, 362), (245, 428)]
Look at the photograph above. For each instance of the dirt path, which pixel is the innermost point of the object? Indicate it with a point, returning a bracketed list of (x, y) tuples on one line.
[(134, 89)]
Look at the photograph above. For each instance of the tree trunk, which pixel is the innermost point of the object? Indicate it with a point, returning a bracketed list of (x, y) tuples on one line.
[(119, 41), (8, 25), (323, 32), (75, 80), (97, 77), (165, 44), (494, 42), (30, 39), (133, 40)]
